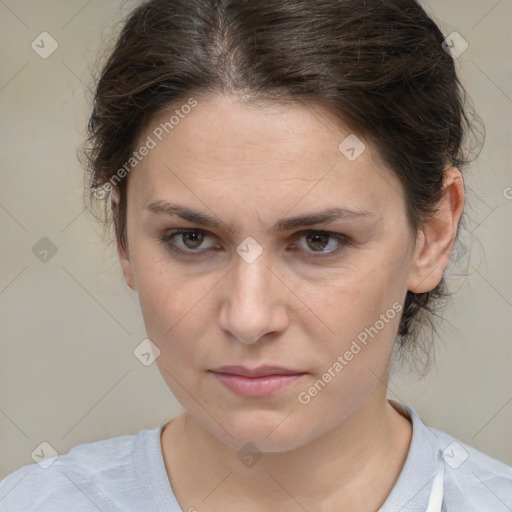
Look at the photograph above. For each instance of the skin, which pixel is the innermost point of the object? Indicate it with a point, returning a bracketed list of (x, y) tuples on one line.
[(249, 166)]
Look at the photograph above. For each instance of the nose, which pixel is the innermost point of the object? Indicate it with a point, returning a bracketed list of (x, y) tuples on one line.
[(254, 302)]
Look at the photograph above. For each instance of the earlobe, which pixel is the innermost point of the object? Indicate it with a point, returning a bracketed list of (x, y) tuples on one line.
[(437, 237)]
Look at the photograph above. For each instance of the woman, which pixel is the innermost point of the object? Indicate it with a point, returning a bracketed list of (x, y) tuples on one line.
[(285, 184)]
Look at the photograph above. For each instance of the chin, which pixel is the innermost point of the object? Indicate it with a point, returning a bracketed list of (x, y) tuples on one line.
[(269, 431)]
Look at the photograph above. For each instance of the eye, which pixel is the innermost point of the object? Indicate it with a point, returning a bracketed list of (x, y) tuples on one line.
[(192, 242), (317, 241), (191, 238)]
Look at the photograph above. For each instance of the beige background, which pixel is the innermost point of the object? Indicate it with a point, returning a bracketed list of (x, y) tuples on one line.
[(69, 326)]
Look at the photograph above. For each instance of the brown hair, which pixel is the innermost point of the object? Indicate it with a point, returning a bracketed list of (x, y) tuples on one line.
[(379, 65)]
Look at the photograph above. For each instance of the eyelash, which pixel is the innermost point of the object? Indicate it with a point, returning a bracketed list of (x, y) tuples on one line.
[(167, 238)]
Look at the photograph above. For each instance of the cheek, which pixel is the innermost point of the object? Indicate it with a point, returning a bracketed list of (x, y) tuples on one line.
[(358, 295), (362, 309), (354, 357), (169, 304), (165, 297), (171, 312)]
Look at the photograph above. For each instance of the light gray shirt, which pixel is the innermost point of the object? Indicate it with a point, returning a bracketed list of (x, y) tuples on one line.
[(127, 473)]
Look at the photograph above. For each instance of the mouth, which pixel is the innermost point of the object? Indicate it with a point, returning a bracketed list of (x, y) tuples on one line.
[(258, 382)]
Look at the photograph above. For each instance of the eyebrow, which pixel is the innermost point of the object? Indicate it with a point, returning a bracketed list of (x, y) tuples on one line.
[(310, 219)]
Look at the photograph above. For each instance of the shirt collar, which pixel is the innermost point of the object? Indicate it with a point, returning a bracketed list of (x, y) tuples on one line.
[(410, 493), (412, 490)]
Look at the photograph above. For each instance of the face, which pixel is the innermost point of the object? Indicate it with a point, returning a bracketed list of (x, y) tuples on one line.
[(322, 299)]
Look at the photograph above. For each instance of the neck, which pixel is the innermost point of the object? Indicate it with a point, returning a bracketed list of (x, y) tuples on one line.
[(342, 469)]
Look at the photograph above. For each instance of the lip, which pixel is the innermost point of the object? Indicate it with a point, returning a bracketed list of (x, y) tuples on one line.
[(260, 371), (258, 382)]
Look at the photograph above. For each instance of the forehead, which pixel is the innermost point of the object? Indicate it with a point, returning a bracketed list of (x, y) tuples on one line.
[(226, 148)]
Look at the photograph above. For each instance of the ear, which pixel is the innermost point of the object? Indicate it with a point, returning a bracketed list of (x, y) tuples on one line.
[(123, 254), (437, 237)]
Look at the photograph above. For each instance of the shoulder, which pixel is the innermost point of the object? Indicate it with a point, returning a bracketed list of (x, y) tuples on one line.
[(474, 481), (82, 480), (441, 467)]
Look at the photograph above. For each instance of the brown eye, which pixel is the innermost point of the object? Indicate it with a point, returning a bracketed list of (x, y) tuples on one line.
[(191, 240), (318, 242)]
